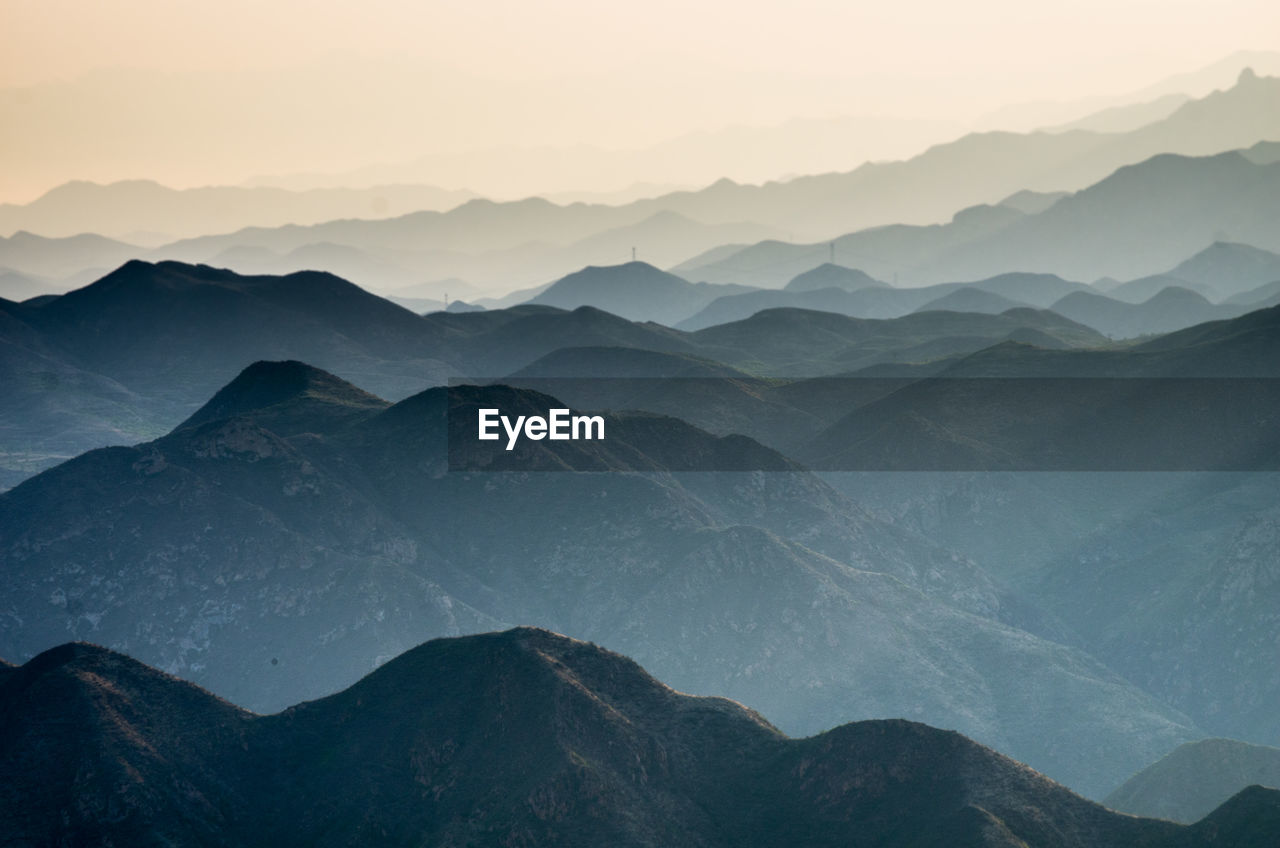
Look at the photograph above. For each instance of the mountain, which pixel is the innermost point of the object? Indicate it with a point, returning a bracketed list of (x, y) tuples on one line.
[(61, 258), (234, 549), (519, 243), (157, 328), (797, 342), (1162, 575), (1141, 220), (828, 276), (276, 390), (17, 287), (664, 238), (882, 251), (55, 409), (515, 737), (997, 294), (1145, 288), (1230, 269), (1195, 778), (1172, 308), (971, 299), (1126, 118), (1259, 298), (121, 208), (636, 291)]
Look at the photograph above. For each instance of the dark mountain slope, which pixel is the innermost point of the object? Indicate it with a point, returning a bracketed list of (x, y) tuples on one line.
[(98, 749), (156, 327), (523, 737), (285, 392)]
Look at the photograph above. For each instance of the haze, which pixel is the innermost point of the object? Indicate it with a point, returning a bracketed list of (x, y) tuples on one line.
[(197, 93)]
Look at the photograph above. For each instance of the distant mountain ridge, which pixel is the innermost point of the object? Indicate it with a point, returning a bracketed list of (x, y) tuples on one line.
[(522, 243), (120, 209), (1188, 783)]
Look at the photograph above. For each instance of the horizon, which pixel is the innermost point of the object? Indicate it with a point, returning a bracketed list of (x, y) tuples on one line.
[(469, 99)]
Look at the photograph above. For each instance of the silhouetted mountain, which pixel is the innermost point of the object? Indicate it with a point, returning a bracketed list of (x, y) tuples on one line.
[(172, 327), (523, 736), (321, 522), (636, 291), (828, 276), (278, 394), (1172, 308), (1195, 778)]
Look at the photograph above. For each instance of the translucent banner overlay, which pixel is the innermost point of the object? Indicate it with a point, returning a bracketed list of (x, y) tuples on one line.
[(857, 424)]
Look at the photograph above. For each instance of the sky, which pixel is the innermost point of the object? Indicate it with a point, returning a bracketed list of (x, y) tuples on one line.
[(194, 93)]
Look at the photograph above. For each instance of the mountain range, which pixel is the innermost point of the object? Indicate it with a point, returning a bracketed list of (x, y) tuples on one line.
[(524, 243), (295, 514), (1141, 220), (190, 329), (521, 737)]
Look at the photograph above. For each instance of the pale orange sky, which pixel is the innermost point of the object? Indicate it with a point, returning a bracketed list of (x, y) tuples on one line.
[(198, 92)]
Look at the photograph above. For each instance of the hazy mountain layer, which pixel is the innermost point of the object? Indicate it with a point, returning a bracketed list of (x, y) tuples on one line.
[(1195, 778), (1141, 220)]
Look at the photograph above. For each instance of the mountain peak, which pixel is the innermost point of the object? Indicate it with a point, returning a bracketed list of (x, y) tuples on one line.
[(831, 275), (1247, 75), (270, 385)]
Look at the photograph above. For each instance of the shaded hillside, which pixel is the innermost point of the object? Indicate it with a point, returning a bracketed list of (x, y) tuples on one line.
[(517, 737), (234, 549)]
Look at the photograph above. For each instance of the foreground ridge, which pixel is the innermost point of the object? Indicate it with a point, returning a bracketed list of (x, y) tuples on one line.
[(524, 737)]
